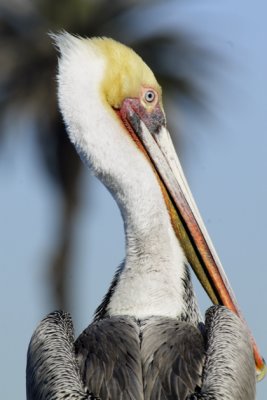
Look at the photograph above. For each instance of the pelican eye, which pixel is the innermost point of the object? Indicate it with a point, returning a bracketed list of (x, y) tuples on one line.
[(150, 96)]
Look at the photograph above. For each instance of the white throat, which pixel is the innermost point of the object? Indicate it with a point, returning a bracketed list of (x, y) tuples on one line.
[(151, 282)]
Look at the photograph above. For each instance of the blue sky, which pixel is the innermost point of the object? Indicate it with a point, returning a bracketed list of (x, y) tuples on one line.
[(224, 158)]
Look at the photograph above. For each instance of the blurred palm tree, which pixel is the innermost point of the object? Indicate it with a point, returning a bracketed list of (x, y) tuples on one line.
[(27, 81)]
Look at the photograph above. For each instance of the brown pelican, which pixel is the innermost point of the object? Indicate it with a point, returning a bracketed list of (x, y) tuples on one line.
[(147, 339)]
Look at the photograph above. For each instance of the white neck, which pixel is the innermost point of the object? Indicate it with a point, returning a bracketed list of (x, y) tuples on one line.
[(151, 282)]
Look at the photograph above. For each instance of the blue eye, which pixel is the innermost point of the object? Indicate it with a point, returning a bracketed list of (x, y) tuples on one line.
[(150, 96)]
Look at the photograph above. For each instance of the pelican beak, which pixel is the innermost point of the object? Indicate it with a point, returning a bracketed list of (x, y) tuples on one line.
[(148, 129)]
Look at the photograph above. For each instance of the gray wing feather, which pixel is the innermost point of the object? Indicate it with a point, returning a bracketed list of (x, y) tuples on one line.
[(108, 354), (159, 358), (52, 371), (156, 359), (229, 370), (172, 355)]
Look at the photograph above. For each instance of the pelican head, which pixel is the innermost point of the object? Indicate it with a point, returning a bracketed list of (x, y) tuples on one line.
[(112, 106)]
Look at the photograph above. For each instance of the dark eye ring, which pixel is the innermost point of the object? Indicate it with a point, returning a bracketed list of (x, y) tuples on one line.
[(150, 96)]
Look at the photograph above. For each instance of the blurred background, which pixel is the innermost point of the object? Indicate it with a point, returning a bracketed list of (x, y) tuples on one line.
[(61, 234)]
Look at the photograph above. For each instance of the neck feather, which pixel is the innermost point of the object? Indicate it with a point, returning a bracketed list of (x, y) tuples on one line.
[(151, 281)]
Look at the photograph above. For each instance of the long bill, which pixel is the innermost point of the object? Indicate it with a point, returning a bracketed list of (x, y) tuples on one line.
[(186, 219)]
